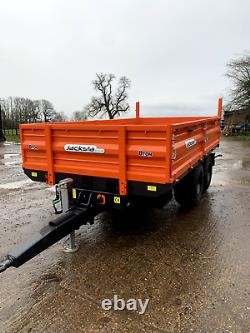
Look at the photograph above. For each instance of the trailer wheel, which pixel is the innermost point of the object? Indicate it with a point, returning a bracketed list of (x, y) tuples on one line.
[(208, 171), (189, 190)]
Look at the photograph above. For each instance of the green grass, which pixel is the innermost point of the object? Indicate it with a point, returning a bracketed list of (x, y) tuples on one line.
[(243, 137), (11, 136)]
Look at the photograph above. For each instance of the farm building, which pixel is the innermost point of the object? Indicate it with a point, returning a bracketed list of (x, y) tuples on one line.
[(236, 117)]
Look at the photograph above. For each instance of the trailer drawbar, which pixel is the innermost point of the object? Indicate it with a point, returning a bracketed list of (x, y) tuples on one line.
[(66, 224)]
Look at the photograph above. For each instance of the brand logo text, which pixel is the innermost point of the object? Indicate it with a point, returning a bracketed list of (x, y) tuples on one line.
[(74, 148)]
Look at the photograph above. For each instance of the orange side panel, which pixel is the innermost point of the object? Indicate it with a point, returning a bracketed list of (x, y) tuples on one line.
[(191, 144)]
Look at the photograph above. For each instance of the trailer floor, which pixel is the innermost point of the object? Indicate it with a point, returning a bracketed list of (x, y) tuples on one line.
[(193, 266)]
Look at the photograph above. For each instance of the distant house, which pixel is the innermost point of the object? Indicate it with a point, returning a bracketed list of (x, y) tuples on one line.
[(236, 117)]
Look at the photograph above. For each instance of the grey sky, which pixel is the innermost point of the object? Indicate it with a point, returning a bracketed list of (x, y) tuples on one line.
[(174, 52)]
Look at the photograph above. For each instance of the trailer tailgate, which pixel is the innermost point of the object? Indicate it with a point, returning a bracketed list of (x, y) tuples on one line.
[(137, 153)]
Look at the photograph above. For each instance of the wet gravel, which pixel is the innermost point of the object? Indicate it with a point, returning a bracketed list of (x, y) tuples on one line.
[(194, 266)]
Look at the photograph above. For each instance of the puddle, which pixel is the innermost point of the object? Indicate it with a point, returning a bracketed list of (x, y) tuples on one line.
[(240, 164), (10, 163), (218, 181), (10, 155), (232, 172), (16, 185), (10, 143), (246, 164), (10, 159)]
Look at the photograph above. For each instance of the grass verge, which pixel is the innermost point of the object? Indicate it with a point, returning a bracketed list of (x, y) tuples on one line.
[(243, 137), (12, 137)]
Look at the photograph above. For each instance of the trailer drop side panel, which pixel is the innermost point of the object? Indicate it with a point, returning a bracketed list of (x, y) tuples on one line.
[(191, 142)]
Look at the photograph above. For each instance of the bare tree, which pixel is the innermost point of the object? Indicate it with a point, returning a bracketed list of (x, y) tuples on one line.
[(30, 111), (35, 112), (239, 73), (5, 115), (18, 110), (46, 109), (12, 113), (2, 137), (109, 103), (79, 115), (59, 117)]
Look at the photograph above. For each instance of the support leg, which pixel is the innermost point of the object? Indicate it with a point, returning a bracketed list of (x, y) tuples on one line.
[(70, 245)]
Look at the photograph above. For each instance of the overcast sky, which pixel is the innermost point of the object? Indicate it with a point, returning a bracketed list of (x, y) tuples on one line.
[(174, 51)]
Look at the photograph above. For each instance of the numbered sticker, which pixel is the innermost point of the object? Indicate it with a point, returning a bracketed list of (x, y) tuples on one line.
[(117, 200), (152, 188), (73, 193)]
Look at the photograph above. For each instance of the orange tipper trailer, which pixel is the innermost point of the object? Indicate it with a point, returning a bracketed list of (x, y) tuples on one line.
[(124, 157), (109, 164)]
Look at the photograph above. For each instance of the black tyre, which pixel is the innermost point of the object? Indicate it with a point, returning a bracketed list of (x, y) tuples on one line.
[(188, 192), (208, 171)]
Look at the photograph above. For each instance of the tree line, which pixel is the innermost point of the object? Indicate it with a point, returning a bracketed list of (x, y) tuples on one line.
[(20, 110), (109, 102), (238, 72), (111, 99)]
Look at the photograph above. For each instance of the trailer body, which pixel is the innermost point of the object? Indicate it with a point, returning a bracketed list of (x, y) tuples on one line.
[(141, 156)]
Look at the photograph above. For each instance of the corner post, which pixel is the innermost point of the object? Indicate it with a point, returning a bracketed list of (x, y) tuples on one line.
[(137, 109), (49, 153), (220, 108), (122, 160)]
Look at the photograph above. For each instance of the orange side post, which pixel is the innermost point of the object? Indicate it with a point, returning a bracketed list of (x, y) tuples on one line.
[(48, 138), (122, 161), (220, 108), (168, 152), (137, 109)]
